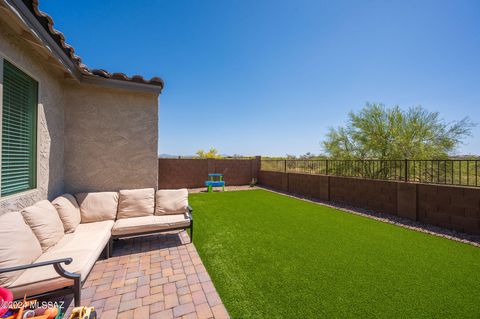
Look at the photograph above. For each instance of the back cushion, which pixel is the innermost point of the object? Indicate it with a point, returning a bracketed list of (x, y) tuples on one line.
[(97, 207), (69, 212), (136, 203), (171, 201), (18, 246), (43, 219)]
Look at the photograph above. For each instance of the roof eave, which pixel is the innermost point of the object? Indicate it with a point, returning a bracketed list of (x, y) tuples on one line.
[(24, 14), (77, 70), (120, 84)]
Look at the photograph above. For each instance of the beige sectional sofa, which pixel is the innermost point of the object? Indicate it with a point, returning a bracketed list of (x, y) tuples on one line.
[(50, 248)]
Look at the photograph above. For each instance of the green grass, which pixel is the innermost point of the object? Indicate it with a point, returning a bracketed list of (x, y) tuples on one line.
[(272, 256)]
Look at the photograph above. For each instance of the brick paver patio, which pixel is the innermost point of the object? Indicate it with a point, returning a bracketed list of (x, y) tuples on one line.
[(153, 277)]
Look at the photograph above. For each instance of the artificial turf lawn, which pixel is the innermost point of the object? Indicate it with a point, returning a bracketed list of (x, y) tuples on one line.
[(273, 256)]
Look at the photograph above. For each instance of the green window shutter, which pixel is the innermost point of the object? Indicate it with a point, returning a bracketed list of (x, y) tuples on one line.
[(19, 127)]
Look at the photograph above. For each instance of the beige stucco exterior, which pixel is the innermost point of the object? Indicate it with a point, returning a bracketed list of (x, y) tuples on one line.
[(111, 139), (50, 136), (90, 137)]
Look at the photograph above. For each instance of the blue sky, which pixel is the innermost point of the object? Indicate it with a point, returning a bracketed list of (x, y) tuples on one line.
[(271, 77)]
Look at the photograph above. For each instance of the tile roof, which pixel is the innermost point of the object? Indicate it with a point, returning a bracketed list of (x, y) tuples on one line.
[(47, 22)]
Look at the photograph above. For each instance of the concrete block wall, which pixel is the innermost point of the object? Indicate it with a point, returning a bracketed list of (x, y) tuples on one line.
[(450, 207), (192, 173)]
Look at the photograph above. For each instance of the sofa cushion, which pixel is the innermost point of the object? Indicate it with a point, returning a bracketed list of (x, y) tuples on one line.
[(25, 250), (84, 246), (171, 201), (43, 219), (136, 203), (97, 207), (136, 225), (69, 212)]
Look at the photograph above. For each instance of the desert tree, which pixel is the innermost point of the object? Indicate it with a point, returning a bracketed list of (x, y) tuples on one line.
[(378, 132)]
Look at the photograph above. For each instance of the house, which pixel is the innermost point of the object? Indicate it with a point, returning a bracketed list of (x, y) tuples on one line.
[(65, 127)]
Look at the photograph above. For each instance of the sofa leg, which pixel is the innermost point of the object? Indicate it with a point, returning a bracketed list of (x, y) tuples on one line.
[(191, 231), (107, 250), (77, 292), (110, 247)]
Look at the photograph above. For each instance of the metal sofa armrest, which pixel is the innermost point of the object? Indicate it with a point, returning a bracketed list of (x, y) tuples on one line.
[(190, 216), (77, 284), (56, 265), (190, 211)]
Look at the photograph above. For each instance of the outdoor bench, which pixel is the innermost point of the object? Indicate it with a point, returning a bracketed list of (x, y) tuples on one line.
[(211, 184), (215, 180), (49, 249)]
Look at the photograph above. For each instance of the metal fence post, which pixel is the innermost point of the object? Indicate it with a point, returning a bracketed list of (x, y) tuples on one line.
[(406, 170), (476, 173)]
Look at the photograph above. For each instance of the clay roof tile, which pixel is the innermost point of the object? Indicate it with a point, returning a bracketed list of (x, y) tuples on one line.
[(47, 22)]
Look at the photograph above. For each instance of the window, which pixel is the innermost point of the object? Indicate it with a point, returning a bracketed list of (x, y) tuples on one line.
[(19, 127)]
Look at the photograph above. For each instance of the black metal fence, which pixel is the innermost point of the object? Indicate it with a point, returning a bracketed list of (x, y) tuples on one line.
[(449, 172), (203, 158)]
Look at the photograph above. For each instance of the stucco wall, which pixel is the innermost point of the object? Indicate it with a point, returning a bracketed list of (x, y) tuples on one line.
[(50, 142), (111, 138)]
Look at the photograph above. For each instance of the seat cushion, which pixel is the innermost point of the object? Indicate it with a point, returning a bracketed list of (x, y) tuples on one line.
[(136, 203), (215, 183), (69, 212), (171, 201), (97, 207), (45, 222), (145, 224), (18, 245), (84, 246)]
